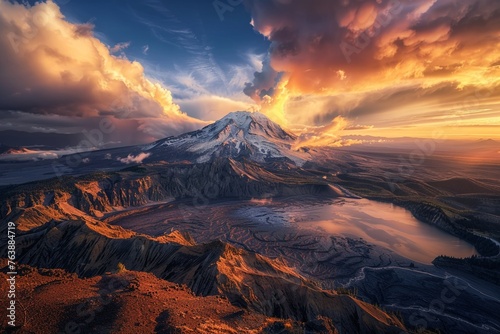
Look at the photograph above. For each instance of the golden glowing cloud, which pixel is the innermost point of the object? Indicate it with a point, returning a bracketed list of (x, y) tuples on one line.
[(52, 66), (392, 63), (327, 135)]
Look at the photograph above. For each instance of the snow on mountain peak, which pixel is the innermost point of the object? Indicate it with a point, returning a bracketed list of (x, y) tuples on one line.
[(249, 123), (240, 134)]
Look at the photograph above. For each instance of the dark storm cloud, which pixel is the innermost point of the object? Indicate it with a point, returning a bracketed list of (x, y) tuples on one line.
[(263, 83)]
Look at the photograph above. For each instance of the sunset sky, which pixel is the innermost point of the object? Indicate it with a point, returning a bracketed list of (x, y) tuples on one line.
[(323, 68)]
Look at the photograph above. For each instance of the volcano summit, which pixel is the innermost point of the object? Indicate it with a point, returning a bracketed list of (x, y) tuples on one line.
[(240, 134)]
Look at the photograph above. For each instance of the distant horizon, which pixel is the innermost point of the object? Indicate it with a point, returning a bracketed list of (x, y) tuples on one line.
[(354, 141), (384, 68)]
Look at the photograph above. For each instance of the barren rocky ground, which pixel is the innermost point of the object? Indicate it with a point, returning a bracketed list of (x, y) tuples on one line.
[(63, 223)]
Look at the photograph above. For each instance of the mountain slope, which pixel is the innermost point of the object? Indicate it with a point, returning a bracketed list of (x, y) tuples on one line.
[(248, 280), (237, 135), (116, 300)]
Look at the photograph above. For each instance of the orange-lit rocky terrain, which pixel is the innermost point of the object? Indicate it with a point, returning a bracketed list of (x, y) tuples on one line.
[(135, 302), (317, 240), (250, 166), (269, 296)]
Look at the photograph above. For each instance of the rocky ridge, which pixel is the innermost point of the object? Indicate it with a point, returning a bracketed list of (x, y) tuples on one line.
[(248, 280)]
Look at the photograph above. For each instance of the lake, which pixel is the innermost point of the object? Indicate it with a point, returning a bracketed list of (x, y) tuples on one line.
[(378, 223), (240, 221)]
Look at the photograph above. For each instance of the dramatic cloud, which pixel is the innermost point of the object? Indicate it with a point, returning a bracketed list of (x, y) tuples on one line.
[(328, 135), (134, 159), (52, 67), (357, 51), (264, 82), (322, 135)]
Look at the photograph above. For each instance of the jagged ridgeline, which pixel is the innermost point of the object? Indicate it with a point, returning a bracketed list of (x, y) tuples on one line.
[(247, 279), (96, 194)]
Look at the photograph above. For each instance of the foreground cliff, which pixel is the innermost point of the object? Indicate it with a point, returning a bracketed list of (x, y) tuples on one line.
[(130, 302), (248, 280)]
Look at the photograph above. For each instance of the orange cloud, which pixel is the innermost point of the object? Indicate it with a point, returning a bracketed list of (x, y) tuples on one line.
[(52, 66), (327, 135), (344, 56)]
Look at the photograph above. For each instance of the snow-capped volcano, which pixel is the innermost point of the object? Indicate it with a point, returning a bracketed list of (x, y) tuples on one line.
[(239, 134)]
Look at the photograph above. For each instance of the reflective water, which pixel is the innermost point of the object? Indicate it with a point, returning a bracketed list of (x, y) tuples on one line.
[(381, 224), (378, 223)]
